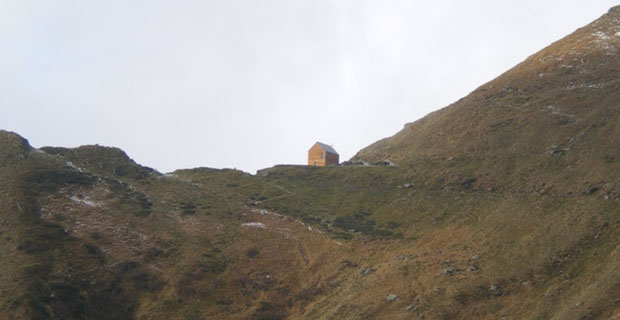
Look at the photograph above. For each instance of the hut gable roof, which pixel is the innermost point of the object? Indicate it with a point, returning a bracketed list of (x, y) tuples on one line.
[(327, 148)]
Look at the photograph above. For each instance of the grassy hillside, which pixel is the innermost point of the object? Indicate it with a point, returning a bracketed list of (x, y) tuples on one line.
[(503, 205), (552, 119)]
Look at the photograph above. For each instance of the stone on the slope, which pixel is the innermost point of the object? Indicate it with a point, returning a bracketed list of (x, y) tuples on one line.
[(472, 268), (403, 257), (448, 270), (385, 162), (366, 271), (392, 297)]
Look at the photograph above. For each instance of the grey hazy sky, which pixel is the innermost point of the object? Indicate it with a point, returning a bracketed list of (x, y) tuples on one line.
[(250, 84)]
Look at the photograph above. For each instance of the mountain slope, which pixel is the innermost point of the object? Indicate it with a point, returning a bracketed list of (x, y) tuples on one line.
[(554, 115), (100, 237), (502, 205), (542, 139)]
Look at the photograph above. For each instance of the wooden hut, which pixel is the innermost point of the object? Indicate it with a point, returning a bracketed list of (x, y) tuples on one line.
[(322, 155)]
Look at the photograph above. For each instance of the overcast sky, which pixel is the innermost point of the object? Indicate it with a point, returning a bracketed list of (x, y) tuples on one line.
[(250, 84)]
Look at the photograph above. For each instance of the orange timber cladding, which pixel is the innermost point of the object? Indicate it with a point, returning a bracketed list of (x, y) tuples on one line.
[(322, 155)]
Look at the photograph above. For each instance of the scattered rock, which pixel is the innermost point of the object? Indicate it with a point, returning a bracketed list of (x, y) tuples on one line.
[(475, 257), (473, 268), (254, 225), (496, 290), (407, 186), (392, 297), (590, 191), (354, 163), (448, 270), (403, 257), (558, 152), (467, 183), (409, 308), (366, 271), (524, 283), (348, 263), (385, 162)]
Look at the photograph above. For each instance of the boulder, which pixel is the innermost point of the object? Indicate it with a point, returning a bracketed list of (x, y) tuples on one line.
[(392, 297)]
